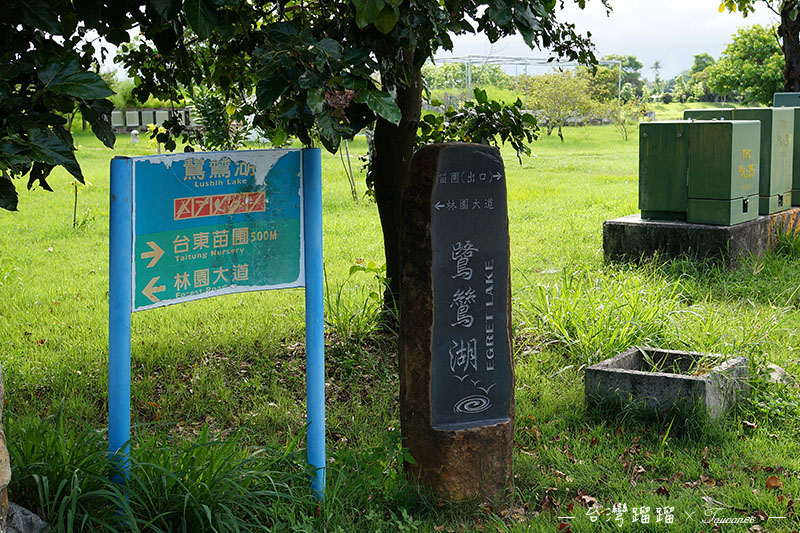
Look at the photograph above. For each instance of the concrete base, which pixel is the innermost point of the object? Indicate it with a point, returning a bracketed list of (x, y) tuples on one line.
[(655, 380), (631, 238)]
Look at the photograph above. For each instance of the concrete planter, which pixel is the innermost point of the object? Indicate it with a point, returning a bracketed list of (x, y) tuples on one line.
[(656, 379)]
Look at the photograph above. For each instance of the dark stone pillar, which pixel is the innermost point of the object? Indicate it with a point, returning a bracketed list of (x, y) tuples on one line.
[(456, 371)]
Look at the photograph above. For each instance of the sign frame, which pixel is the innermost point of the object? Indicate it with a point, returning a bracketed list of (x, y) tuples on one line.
[(121, 306)]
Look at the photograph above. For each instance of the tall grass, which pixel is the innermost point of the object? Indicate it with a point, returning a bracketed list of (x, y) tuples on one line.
[(591, 316)]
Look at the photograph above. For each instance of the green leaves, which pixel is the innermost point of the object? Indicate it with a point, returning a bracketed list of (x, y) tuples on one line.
[(482, 121), (382, 14), (382, 104), (201, 16), (8, 194), (64, 76)]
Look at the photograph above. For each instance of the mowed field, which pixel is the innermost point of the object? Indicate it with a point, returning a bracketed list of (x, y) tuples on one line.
[(236, 363)]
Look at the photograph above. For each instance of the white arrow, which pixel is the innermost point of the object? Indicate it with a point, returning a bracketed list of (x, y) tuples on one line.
[(151, 289), (154, 254), (497, 175), (438, 205)]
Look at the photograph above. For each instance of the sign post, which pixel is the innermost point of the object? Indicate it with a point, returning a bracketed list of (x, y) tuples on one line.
[(195, 225)]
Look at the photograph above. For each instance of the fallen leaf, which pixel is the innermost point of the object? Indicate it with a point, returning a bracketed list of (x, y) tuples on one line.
[(691, 484), (663, 491), (586, 500), (761, 515), (705, 452), (638, 469), (774, 483), (749, 425), (594, 442), (755, 529), (564, 527), (548, 503)]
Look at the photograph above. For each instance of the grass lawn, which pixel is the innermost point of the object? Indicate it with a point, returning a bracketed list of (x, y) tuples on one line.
[(235, 364)]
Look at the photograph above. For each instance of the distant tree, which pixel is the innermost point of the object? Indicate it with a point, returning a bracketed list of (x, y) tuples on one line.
[(602, 83), (680, 88), (558, 98), (751, 66), (701, 62), (788, 32), (625, 117), (631, 69)]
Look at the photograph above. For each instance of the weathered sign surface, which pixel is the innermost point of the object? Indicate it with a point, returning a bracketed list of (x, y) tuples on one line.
[(456, 373), (215, 223)]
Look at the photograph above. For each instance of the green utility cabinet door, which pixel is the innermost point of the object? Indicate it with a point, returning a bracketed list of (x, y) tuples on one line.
[(708, 114), (777, 151), (663, 162), (723, 171), (793, 100), (786, 99)]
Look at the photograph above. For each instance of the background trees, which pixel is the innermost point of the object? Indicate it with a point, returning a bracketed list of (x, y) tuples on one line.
[(788, 31), (751, 66)]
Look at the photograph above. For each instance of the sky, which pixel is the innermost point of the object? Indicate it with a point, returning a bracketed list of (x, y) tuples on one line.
[(670, 31)]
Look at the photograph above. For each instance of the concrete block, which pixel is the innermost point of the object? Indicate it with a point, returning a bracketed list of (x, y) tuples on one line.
[(654, 379), (632, 238)]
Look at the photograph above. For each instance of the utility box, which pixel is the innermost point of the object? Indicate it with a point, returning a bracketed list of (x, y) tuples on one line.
[(117, 119), (148, 117), (663, 164), (132, 119), (792, 100), (162, 115), (708, 114), (723, 171), (777, 152), (786, 100)]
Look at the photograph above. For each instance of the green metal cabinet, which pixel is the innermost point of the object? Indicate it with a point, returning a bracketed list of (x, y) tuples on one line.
[(793, 100), (663, 163), (708, 114), (777, 152), (723, 171), (786, 100)]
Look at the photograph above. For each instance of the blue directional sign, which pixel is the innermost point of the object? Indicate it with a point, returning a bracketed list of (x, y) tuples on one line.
[(194, 225)]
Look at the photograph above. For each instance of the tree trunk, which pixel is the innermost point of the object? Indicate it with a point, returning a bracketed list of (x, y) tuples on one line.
[(394, 146), (789, 32)]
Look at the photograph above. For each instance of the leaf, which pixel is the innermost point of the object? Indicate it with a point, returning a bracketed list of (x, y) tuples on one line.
[(167, 9), (65, 77), (330, 47), (49, 151), (201, 17), (774, 483), (387, 19), (38, 14), (8, 194), (382, 104), (367, 11), (663, 491), (480, 95), (749, 425), (268, 91)]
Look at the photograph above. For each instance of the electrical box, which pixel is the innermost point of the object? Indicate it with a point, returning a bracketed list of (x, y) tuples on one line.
[(708, 114), (132, 118), (777, 152), (792, 100), (786, 100), (117, 119), (663, 163), (723, 171), (148, 117)]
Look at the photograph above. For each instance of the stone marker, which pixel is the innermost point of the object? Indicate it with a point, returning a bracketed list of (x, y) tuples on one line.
[(456, 373), (5, 464)]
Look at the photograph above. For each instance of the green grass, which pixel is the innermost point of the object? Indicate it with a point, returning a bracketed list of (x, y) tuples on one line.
[(209, 368)]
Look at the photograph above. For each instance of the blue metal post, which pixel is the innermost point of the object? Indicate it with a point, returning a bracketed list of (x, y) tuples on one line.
[(315, 341), (119, 309)]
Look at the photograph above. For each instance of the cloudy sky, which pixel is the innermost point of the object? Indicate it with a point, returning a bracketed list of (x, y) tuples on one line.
[(671, 32)]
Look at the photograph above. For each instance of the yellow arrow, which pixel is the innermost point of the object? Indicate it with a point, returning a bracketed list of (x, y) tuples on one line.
[(151, 289), (154, 254)]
